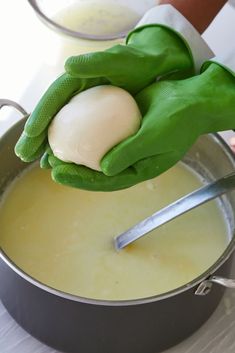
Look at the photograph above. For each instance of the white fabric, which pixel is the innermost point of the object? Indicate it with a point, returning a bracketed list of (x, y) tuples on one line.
[(168, 16), (227, 60), (232, 2)]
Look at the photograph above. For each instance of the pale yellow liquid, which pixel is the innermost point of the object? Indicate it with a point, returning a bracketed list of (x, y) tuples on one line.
[(90, 17), (63, 237), (94, 17)]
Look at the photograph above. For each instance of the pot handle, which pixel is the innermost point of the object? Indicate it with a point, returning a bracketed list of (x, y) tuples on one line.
[(205, 286), (16, 106)]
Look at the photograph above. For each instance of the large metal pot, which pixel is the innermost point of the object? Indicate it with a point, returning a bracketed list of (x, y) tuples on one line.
[(73, 324)]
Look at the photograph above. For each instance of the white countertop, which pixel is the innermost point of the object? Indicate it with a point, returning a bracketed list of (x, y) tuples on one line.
[(23, 77)]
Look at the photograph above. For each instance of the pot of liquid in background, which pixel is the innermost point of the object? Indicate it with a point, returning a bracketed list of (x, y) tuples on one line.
[(97, 25), (63, 280)]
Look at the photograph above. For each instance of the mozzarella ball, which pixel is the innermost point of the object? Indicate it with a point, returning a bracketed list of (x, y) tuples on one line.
[(92, 123)]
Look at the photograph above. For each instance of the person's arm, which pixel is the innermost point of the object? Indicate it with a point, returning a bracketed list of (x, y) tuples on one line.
[(232, 143), (199, 12)]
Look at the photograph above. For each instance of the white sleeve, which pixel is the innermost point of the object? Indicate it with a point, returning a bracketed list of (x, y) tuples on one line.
[(228, 61), (168, 16)]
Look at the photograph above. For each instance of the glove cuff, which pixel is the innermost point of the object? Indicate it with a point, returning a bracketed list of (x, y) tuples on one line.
[(226, 61), (167, 16)]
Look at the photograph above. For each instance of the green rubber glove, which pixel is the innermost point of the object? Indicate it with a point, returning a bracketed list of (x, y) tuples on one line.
[(151, 51), (175, 114)]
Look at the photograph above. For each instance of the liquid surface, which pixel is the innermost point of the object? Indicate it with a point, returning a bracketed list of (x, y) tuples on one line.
[(63, 236), (98, 17)]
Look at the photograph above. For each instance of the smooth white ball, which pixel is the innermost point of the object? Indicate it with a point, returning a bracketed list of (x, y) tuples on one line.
[(92, 123)]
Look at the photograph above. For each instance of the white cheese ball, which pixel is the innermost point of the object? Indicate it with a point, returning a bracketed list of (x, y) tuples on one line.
[(92, 123)]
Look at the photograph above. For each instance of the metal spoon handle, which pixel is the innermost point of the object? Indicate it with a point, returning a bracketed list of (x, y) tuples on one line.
[(179, 207)]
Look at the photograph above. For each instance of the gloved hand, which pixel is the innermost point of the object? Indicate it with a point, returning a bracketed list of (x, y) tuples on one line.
[(150, 52), (175, 114), (164, 44)]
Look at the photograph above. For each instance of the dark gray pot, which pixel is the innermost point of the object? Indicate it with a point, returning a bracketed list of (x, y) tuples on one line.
[(150, 325)]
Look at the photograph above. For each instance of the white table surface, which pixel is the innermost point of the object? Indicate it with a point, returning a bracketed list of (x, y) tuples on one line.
[(23, 77)]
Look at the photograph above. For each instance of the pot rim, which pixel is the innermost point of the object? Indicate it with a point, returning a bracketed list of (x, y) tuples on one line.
[(72, 33), (220, 261)]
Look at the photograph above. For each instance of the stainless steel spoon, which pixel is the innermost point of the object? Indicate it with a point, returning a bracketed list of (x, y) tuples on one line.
[(174, 210)]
